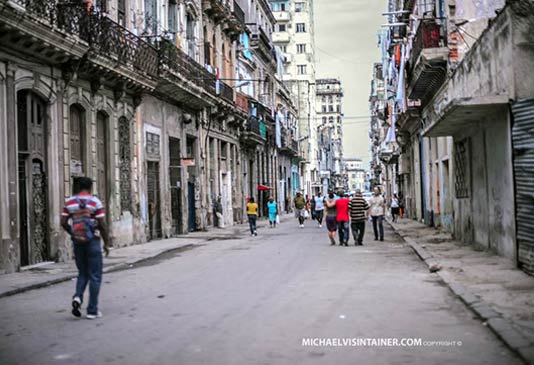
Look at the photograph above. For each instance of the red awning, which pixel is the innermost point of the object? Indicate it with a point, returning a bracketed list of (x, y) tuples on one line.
[(263, 187)]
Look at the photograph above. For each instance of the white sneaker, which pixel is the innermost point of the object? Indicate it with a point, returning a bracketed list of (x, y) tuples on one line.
[(94, 316), (320, 226)]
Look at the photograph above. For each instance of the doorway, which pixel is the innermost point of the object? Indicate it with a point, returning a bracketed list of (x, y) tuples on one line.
[(102, 160), (32, 178), (175, 173), (154, 215)]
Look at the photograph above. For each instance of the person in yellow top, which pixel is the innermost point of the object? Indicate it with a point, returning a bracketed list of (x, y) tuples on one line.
[(252, 213)]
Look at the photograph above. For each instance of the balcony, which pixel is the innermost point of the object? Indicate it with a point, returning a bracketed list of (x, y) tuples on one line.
[(234, 25), (260, 41), (428, 63), (289, 145), (59, 33), (282, 16), (226, 92), (255, 132), (281, 37), (217, 9)]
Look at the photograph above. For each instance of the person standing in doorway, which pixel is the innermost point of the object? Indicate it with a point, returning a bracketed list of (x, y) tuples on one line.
[(358, 208), (252, 214), (378, 211), (319, 209), (331, 214), (84, 219), (273, 211), (300, 209), (395, 207), (342, 218), (218, 208)]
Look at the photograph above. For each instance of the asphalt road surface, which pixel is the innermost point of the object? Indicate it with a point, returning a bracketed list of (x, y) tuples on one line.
[(253, 300)]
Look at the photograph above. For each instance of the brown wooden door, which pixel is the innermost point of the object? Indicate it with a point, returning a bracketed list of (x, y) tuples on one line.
[(32, 178)]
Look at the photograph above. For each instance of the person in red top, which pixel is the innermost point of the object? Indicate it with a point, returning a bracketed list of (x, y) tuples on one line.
[(342, 218)]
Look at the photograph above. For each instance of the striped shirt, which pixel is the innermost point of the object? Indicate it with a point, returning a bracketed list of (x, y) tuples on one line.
[(357, 207), (91, 202)]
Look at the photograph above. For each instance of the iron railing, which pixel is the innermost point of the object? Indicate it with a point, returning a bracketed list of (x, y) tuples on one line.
[(226, 92), (256, 126)]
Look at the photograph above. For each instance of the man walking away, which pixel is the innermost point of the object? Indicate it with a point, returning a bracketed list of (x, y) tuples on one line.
[(342, 218), (319, 209), (331, 214), (378, 210), (252, 214), (300, 205), (312, 207), (273, 211), (84, 219), (358, 208)]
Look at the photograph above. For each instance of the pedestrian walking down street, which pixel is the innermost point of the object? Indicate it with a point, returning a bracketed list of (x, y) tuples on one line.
[(218, 208), (331, 215), (312, 207), (342, 218), (273, 211), (395, 207), (358, 208), (307, 214), (252, 214), (300, 209), (84, 219), (378, 211), (319, 209)]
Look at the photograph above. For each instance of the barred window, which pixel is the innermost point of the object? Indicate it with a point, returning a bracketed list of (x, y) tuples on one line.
[(461, 161), (125, 164)]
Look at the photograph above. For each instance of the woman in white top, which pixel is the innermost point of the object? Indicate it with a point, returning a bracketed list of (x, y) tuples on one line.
[(395, 207)]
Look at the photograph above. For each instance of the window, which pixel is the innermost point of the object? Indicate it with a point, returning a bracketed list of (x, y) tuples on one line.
[(125, 163), (301, 48), (338, 108), (301, 28), (461, 161), (172, 19), (324, 109), (330, 99), (301, 69), (324, 120), (299, 7), (354, 176), (283, 49), (282, 28), (77, 140), (331, 108), (324, 99), (122, 12), (283, 7)]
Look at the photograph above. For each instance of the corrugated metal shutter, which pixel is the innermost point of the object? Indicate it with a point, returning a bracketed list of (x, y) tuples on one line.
[(523, 143)]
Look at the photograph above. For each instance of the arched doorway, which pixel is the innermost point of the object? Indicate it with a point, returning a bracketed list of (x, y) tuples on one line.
[(32, 178)]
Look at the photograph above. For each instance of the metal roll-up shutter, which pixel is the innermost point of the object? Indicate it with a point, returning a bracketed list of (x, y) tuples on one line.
[(523, 144)]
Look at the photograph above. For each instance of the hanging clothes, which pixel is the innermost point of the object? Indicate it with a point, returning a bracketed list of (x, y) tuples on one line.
[(401, 88)]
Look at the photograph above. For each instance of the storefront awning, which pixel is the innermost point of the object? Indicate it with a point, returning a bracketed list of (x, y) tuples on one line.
[(464, 112), (263, 188)]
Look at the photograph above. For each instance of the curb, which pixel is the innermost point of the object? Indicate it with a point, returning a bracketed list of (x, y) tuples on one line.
[(106, 270), (500, 326)]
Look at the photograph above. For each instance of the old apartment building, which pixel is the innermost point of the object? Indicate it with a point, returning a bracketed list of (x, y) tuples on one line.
[(147, 98)]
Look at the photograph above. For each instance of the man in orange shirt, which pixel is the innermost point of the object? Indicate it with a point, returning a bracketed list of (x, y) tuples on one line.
[(342, 218)]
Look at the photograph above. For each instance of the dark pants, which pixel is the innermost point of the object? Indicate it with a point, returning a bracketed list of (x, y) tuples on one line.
[(358, 230), (252, 223), (343, 229), (377, 220), (88, 257), (319, 216)]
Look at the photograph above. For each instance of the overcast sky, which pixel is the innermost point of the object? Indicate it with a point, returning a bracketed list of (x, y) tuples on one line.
[(346, 48)]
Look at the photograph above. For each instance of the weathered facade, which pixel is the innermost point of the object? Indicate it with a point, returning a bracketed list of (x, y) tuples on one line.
[(461, 112), (141, 97)]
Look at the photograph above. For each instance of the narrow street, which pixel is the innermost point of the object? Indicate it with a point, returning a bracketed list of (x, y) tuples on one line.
[(252, 301)]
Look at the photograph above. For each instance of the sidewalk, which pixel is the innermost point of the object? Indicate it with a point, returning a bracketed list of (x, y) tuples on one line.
[(47, 274), (501, 295)]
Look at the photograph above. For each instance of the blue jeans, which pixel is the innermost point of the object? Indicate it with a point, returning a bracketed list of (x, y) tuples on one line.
[(252, 223), (377, 220), (88, 257), (343, 228)]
